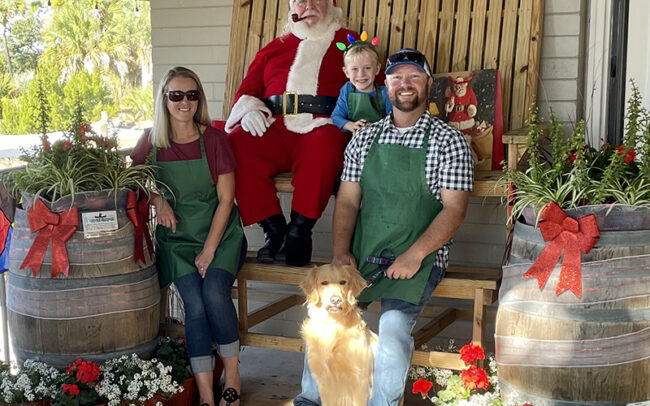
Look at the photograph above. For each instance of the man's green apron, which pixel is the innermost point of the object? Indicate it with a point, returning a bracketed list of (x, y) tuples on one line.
[(365, 105), (396, 208), (194, 202)]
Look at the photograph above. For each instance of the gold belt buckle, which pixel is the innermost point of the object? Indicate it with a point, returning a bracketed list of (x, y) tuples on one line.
[(295, 103)]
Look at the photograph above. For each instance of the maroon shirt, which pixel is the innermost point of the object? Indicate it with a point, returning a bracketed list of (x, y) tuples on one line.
[(217, 151)]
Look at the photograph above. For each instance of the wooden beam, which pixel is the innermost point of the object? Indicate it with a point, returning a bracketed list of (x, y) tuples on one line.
[(434, 327), (272, 309), (273, 342)]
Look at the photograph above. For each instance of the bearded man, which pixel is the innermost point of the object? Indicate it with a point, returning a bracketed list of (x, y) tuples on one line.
[(281, 122)]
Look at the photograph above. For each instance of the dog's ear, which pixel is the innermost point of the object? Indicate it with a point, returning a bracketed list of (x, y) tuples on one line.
[(357, 283), (310, 288)]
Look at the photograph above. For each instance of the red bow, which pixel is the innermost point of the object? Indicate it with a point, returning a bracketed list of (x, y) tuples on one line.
[(138, 211), (56, 226), (568, 234)]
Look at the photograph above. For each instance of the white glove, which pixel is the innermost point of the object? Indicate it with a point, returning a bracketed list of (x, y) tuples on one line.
[(255, 123)]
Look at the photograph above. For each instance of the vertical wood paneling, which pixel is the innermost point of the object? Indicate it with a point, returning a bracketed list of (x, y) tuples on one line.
[(411, 24), (534, 54), (383, 27), (356, 15), (461, 36), (270, 22), (494, 15), (425, 39), (476, 44), (283, 13), (506, 56), (519, 80), (344, 5), (255, 30), (370, 17), (397, 27), (445, 36), (236, 59)]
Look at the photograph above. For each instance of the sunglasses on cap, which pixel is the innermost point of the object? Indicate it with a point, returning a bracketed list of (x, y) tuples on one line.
[(410, 57), (177, 95)]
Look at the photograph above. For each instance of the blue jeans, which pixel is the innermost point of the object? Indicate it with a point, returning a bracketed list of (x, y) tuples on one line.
[(394, 351), (209, 315)]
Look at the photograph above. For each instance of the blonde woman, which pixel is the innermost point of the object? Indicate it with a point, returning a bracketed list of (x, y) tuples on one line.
[(199, 237)]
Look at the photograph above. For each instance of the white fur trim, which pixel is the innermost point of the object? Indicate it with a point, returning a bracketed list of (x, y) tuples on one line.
[(303, 78), (244, 105)]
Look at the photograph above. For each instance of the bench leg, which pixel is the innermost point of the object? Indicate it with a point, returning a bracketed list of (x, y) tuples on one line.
[(482, 297), (242, 305)]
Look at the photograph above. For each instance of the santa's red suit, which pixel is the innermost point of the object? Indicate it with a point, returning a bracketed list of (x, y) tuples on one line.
[(306, 144)]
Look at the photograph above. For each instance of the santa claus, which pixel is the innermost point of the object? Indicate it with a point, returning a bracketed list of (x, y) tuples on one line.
[(280, 122), (461, 105)]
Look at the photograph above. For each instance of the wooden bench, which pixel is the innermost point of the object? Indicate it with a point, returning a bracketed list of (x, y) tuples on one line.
[(455, 35), (477, 284)]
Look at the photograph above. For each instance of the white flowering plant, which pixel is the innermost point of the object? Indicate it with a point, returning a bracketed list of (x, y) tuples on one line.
[(34, 382), (129, 380)]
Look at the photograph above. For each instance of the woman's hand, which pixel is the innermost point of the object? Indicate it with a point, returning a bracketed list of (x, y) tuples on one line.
[(203, 260), (353, 127), (164, 213)]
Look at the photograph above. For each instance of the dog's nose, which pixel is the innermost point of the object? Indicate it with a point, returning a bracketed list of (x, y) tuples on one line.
[(335, 300)]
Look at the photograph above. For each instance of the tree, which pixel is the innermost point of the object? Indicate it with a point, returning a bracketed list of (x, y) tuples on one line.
[(9, 9)]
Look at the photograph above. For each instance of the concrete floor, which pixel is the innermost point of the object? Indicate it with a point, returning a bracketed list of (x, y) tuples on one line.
[(272, 378)]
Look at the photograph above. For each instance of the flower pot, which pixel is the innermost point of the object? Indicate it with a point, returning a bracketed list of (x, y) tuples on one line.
[(187, 397), (108, 305), (155, 400), (45, 402), (594, 349)]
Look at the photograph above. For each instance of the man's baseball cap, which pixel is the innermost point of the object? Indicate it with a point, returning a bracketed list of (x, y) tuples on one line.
[(408, 56)]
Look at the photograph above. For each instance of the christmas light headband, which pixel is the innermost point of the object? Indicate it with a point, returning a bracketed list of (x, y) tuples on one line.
[(354, 42)]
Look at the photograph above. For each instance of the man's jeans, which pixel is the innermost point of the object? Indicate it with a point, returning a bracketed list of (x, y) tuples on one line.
[(394, 351)]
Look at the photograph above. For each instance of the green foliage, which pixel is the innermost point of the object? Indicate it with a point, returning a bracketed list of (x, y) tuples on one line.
[(173, 353), (81, 162), (137, 104), (578, 174)]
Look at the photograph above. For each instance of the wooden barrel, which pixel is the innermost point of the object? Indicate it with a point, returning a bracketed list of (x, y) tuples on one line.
[(108, 305), (594, 350)]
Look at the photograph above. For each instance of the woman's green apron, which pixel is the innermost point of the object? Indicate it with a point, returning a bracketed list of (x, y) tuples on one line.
[(367, 106), (194, 202), (396, 208)]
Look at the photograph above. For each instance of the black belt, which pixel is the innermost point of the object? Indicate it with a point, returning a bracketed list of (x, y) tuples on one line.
[(285, 104)]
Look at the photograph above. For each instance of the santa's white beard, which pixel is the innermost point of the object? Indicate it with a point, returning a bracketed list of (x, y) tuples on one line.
[(304, 31)]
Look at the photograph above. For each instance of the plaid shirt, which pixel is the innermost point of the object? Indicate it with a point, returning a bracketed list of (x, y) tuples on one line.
[(448, 166)]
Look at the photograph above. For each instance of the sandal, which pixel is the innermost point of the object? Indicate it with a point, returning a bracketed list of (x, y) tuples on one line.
[(230, 395)]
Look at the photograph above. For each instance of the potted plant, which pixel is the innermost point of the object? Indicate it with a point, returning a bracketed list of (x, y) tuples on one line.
[(82, 226), (35, 384), (573, 174), (173, 353), (132, 380), (579, 258), (77, 385)]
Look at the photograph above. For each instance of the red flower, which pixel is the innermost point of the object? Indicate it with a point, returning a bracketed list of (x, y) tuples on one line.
[(471, 352), (71, 389), (474, 378), (422, 386), (629, 154), (67, 144), (528, 404), (572, 157), (86, 371), (46, 145), (84, 128)]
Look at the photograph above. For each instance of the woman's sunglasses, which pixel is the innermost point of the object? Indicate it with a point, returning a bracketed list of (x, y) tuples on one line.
[(177, 95)]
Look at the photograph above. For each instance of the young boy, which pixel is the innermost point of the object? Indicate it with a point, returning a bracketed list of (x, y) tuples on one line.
[(360, 101)]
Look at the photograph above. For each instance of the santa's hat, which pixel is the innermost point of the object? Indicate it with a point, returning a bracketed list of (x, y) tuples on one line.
[(459, 79)]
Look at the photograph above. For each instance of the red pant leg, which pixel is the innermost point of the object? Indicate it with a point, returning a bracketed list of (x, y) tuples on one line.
[(259, 158), (317, 162)]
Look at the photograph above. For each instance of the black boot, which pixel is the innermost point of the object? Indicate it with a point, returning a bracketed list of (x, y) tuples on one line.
[(275, 228), (297, 246)]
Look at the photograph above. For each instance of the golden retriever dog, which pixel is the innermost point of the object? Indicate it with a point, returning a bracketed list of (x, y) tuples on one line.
[(340, 347)]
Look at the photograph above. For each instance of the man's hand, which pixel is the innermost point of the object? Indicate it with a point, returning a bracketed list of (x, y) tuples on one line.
[(356, 126), (404, 267), (255, 123), (345, 259), (164, 213)]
